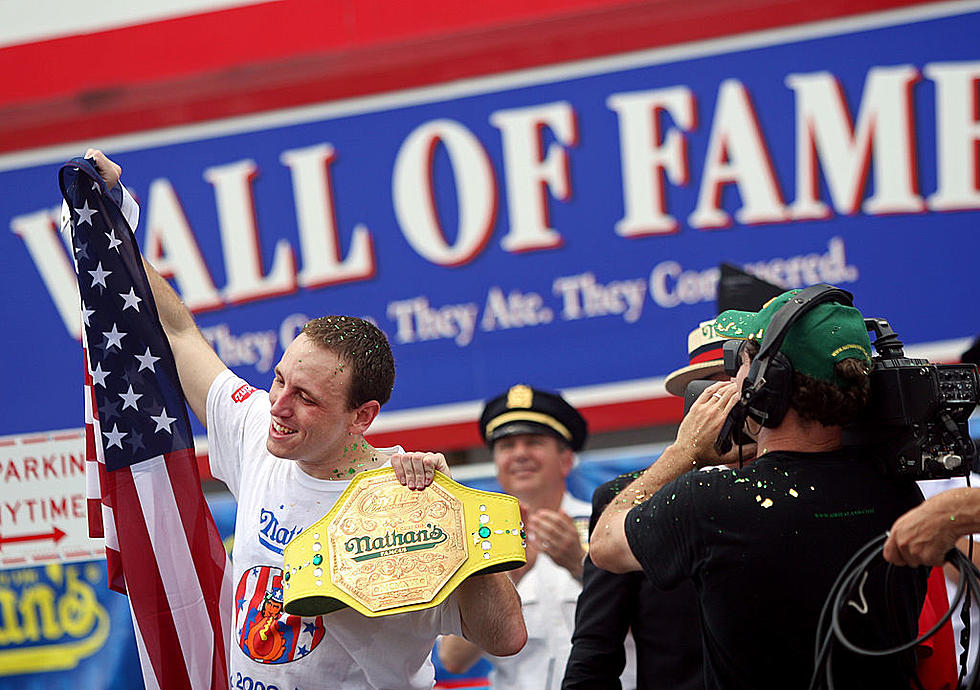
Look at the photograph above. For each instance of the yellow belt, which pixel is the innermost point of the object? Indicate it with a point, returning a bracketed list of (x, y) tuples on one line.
[(384, 549)]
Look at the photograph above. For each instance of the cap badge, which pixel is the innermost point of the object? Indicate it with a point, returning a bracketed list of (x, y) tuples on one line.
[(520, 396)]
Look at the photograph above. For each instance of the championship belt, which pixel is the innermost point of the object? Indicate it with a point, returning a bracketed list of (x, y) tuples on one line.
[(384, 549)]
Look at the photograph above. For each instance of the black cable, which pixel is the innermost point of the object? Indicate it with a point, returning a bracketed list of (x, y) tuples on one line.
[(847, 581), (822, 652)]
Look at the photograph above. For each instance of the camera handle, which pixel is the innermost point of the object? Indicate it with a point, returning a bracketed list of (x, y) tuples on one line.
[(886, 343)]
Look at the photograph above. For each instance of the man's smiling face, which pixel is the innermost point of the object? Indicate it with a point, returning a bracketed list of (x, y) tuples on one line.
[(310, 416)]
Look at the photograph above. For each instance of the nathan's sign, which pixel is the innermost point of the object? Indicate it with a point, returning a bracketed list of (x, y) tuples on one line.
[(51, 618), (590, 204)]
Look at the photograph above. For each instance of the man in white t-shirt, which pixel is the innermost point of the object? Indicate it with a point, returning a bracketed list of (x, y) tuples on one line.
[(533, 435), (287, 455)]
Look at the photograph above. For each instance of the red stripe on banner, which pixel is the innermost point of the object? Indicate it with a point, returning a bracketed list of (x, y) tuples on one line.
[(463, 683), (240, 67), (147, 596), (207, 551), (611, 417), (35, 439)]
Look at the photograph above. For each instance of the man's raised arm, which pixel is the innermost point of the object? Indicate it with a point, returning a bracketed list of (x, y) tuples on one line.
[(197, 364)]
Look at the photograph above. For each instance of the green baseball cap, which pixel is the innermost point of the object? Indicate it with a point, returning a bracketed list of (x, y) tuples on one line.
[(823, 336)]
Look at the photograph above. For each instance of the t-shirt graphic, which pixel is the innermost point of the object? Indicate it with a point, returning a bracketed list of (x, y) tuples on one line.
[(274, 535), (264, 632)]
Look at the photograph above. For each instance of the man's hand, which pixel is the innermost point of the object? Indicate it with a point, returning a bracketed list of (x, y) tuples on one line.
[(702, 423), (554, 533), (109, 171), (924, 534), (416, 470)]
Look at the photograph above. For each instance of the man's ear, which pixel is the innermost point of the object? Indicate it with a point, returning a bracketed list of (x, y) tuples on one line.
[(567, 460), (363, 415)]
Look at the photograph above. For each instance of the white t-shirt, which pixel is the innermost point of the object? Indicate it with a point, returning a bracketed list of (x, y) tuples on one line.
[(276, 501)]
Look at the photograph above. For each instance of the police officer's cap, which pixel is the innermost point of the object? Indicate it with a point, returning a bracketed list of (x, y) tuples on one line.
[(526, 410)]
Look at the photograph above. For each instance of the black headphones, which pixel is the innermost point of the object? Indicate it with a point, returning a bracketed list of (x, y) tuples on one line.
[(768, 388)]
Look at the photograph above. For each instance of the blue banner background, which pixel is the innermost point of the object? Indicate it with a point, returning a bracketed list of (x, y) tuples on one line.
[(916, 270)]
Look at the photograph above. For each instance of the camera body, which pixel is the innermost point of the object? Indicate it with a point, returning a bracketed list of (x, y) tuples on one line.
[(917, 425)]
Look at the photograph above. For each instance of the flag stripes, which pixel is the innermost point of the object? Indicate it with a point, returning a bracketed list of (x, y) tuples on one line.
[(142, 484)]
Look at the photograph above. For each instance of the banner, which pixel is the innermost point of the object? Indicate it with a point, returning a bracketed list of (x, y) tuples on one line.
[(560, 226)]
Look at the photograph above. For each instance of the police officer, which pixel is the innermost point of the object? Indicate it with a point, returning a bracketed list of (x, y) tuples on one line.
[(533, 435)]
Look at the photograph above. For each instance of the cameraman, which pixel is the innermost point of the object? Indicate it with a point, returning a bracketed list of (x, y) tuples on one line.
[(764, 544)]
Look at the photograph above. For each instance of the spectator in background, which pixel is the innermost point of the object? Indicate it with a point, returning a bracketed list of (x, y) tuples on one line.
[(664, 625), (533, 436)]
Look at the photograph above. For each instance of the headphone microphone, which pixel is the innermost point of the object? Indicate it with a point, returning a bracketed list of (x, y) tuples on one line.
[(768, 387)]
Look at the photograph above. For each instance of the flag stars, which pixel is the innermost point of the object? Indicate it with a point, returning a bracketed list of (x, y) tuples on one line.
[(108, 410), (98, 376), (86, 313), (114, 437), (129, 398), (132, 376), (99, 275), (135, 441), (81, 251), (163, 421), (130, 300), (85, 214), (113, 242), (146, 360), (113, 337)]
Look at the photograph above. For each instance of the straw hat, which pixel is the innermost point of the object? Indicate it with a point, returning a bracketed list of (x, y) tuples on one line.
[(704, 353)]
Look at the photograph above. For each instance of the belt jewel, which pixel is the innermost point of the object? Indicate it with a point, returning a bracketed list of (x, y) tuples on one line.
[(383, 549)]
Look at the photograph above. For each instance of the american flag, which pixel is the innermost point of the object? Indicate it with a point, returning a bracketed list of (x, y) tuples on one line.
[(144, 491)]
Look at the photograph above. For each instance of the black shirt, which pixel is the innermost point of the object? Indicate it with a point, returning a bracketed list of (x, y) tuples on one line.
[(763, 546)]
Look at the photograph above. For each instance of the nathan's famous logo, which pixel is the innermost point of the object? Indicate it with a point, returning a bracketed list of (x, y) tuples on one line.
[(368, 547), (50, 617), (272, 534)]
